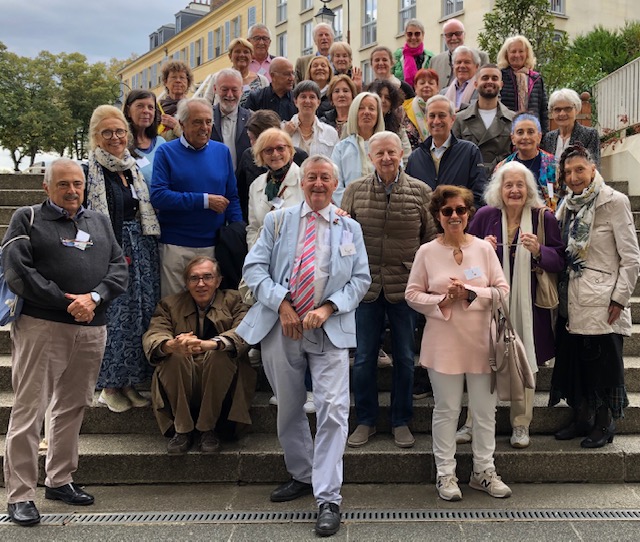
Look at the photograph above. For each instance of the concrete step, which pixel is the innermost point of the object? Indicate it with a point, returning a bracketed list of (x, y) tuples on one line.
[(620, 186), (257, 458), (546, 420), (18, 197), (14, 181)]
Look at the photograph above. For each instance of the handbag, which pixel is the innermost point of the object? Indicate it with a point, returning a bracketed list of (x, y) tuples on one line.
[(510, 370), (547, 285), (10, 303)]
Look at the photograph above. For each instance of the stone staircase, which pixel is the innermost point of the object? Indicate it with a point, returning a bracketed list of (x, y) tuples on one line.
[(128, 449)]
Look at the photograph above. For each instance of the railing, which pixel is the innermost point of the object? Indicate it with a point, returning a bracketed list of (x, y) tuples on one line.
[(617, 101)]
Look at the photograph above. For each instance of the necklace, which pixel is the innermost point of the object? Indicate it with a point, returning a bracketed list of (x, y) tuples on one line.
[(528, 163)]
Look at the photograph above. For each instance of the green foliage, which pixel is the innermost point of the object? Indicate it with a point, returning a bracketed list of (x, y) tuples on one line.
[(46, 102)]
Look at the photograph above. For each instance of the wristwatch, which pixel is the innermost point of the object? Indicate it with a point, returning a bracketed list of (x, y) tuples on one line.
[(95, 297), (471, 296)]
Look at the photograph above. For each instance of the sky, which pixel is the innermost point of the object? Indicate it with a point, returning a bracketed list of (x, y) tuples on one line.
[(98, 29)]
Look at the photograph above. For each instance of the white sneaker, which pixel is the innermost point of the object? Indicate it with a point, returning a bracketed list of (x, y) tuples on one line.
[(520, 437), (383, 359), (273, 400), (309, 407), (463, 435), (255, 357), (448, 489), (489, 482)]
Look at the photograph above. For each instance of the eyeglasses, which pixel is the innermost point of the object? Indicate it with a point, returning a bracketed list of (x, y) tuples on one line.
[(208, 279), (108, 134), (448, 211), (566, 110), (270, 150), (411, 34), (260, 38), (285, 74), (457, 34)]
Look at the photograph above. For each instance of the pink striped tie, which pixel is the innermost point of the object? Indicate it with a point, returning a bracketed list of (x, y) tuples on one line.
[(302, 286)]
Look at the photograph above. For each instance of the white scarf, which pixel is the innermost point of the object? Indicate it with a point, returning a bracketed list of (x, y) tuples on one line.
[(520, 299)]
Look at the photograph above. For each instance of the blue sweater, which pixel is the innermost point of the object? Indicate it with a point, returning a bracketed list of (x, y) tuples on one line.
[(181, 177)]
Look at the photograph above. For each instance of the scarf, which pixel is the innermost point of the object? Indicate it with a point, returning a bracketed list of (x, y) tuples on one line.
[(522, 88), (367, 166), (410, 65), (465, 98), (520, 300), (169, 105), (583, 207), (274, 181), (96, 189), (419, 107)]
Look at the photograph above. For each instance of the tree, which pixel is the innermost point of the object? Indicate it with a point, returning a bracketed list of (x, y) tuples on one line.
[(530, 18)]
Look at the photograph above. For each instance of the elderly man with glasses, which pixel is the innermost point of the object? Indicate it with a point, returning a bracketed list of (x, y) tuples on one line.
[(260, 37), (203, 384)]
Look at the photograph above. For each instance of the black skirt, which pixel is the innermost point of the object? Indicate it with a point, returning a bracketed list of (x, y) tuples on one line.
[(589, 368)]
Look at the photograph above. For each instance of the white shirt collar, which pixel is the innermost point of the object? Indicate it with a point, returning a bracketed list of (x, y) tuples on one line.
[(324, 213), (184, 141)]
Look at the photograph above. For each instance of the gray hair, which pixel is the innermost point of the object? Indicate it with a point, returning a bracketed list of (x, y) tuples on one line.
[(182, 113), (565, 95), (51, 166), (319, 159), (414, 22), (229, 72), (442, 98), (493, 191), (385, 135), (306, 86), (258, 26), (323, 25), (462, 50)]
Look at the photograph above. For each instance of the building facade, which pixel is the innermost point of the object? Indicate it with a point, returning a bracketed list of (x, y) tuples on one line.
[(364, 23)]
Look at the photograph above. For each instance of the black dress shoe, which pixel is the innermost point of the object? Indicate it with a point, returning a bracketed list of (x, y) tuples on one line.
[(573, 430), (328, 521), (23, 513), (70, 494), (599, 437), (291, 490)]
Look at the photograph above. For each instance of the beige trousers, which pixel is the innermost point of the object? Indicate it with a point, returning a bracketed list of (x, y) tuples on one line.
[(173, 260), (57, 364)]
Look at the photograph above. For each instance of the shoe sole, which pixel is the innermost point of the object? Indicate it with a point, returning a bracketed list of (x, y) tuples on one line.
[(477, 487), (55, 498), (292, 498), (404, 444), (327, 532), (104, 402), (520, 445), (453, 498), (27, 523), (418, 396), (463, 441), (360, 443)]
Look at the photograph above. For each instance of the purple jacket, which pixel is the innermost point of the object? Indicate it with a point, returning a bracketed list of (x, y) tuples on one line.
[(488, 221)]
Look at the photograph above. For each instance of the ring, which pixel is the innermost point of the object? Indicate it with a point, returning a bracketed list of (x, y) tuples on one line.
[(450, 296)]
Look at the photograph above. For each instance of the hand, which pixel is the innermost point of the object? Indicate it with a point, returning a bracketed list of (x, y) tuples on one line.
[(457, 291), (342, 212), (614, 313), (169, 121), (82, 307), (493, 240), (530, 242), (185, 344), (356, 77), (316, 318), (218, 203), (290, 127), (290, 321)]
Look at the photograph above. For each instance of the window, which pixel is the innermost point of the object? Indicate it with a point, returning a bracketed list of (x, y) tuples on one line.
[(251, 17), (306, 4), (153, 81), (176, 55), (367, 72), (145, 80), (210, 45), (557, 6), (281, 46), (307, 38), (218, 42), (199, 51), (281, 11), (183, 55), (227, 35), (407, 11), (449, 7), (369, 21), (192, 54), (237, 27), (337, 24)]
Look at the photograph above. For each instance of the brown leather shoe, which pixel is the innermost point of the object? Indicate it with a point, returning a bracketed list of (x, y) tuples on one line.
[(209, 443), (180, 443)]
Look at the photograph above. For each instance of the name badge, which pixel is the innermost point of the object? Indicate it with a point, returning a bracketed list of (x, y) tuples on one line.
[(82, 241), (262, 71), (144, 161), (472, 273), (550, 190), (348, 249), (134, 194)]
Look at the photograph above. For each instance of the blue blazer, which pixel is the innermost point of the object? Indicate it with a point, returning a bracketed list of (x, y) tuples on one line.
[(268, 267)]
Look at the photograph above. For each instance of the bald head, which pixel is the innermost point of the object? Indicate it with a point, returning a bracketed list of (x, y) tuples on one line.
[(282, 75), (453, 31)]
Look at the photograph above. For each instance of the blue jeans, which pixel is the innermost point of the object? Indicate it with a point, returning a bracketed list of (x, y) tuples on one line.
[(370, 320)]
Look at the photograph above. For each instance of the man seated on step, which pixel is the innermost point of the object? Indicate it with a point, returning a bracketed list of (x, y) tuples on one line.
[(203, 381), (67, 268)]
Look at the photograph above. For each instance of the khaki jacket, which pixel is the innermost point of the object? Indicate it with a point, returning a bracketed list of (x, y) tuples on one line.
[(394, 227)]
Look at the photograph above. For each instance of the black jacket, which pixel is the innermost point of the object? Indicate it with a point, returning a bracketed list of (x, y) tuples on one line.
[(537, 95)]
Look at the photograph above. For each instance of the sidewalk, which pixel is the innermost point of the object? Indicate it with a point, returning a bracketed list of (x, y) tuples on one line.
[(376, 499)]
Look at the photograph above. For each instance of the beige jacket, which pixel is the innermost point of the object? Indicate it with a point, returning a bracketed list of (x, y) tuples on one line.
[(394, 227), (613, 262)]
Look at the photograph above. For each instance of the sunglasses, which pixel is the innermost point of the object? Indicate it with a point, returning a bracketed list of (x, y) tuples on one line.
[(448, 211), (280, 149), (457, 34)]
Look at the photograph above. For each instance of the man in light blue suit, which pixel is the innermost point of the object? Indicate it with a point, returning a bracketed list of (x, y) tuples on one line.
[(320, 338)]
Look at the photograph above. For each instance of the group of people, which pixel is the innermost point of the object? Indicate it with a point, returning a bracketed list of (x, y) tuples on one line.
[(346, 207)]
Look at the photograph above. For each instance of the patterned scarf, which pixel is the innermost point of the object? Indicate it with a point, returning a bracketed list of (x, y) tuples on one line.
[(522, 88), (410, 64), (583, 207), (465, 98), (367, 166), (419, 107), (97, 193), (274, 181)]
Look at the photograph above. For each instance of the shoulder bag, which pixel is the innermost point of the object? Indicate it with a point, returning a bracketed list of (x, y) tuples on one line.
[(547, 285)]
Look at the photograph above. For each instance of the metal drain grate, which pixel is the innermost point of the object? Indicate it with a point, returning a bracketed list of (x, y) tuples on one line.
[(386, 516)]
